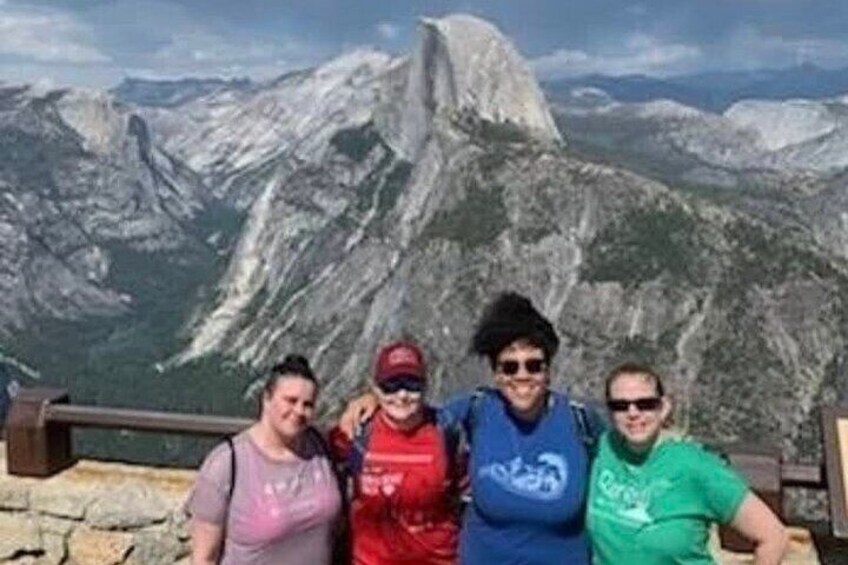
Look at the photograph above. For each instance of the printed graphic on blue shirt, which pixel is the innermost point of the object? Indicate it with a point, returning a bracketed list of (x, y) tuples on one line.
[(544, 479)]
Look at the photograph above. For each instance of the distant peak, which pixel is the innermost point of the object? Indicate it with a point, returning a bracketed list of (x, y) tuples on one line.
[(358, 58), (464, 64)]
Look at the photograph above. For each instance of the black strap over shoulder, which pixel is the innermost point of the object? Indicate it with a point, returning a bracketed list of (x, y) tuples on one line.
[(229, 441)]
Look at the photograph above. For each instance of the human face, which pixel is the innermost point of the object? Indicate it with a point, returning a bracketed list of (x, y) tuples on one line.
[(289, 408), (524, 388), (639, 428), (403, 407)]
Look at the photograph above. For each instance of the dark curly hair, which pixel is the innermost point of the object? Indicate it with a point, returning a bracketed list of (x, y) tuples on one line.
[(512, 317)]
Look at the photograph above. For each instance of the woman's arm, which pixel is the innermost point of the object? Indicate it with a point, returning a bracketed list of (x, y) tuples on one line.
[(458, 409), (207, 540), (757, 522)]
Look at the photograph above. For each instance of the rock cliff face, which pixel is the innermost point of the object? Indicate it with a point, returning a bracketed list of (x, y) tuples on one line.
[(78, 176), (386, 197), (238, 139)]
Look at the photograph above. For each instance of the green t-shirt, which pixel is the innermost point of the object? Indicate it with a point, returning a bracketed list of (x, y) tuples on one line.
[(657, 509)]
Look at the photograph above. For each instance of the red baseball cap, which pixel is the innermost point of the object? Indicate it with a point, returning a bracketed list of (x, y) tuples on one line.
[(400, 358)]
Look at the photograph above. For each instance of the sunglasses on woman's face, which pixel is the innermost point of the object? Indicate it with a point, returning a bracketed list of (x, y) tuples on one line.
[(409, 383), (532, 366), (648, 404)]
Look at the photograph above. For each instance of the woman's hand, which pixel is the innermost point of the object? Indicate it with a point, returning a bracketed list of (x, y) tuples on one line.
[(356, 412), (757, 522)]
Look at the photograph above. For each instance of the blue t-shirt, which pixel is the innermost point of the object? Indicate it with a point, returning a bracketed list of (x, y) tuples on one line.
[(528, 485)]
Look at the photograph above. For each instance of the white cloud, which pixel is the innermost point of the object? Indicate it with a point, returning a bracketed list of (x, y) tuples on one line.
[(750, 47), (388, 30), (199, 51), (640, 54), (46, 36)]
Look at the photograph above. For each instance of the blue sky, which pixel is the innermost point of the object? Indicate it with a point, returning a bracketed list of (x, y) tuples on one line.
[(98, 42)]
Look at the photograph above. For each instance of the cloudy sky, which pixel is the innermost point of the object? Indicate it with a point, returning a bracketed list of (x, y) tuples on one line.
[(98, 42)]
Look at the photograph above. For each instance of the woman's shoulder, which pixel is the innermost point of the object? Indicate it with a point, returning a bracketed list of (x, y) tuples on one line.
[(690, 451), (218, 462)]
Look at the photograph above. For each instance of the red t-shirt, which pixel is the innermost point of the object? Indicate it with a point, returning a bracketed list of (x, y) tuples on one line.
[(404, 508)]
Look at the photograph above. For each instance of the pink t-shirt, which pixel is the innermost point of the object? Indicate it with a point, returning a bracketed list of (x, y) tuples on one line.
[(281, 512)]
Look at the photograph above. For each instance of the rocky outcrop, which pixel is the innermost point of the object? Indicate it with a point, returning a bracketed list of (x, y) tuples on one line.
[(463, 65)]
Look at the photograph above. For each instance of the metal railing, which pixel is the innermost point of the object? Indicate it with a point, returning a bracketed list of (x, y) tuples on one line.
[(150, 421), (38, 428)]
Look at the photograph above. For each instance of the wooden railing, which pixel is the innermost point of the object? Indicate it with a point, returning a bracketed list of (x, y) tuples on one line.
[(38, 428)]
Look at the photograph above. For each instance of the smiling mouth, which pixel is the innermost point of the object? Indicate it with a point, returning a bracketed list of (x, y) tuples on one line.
[(523, 389)]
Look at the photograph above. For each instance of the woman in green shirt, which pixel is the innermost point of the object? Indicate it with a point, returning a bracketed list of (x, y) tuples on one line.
[(653, 498)]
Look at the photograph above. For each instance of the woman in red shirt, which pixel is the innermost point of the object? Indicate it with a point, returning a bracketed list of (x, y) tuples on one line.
[(405, 478)]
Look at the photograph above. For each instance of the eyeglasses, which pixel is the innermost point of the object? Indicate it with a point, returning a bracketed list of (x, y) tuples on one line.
[(408, 383), (642, 404), (532, 366)]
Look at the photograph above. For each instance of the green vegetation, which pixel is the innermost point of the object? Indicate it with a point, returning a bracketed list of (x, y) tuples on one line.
[(393, 186), (501, 132), (475, 221), (357, 143), (764, 257), (370, 185), (644, 245)]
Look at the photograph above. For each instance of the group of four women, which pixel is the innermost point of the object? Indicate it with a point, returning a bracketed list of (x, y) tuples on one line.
[(541, 482)]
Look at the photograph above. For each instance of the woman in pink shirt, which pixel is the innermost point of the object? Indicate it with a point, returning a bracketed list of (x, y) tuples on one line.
[(269, 497)]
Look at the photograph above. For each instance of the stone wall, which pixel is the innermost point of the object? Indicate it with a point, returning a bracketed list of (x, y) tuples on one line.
[(94, 514)]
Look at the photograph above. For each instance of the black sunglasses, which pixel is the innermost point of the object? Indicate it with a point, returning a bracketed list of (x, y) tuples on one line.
[(409, 383), (532, 366), (642, 404)]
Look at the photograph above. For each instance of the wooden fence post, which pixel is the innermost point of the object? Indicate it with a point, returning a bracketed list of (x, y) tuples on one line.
[(35, 446)]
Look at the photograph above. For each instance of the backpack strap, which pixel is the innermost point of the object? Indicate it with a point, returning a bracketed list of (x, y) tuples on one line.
[(358, 449), (229, 442), (472, 418), (589, 426), (453, 442)]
